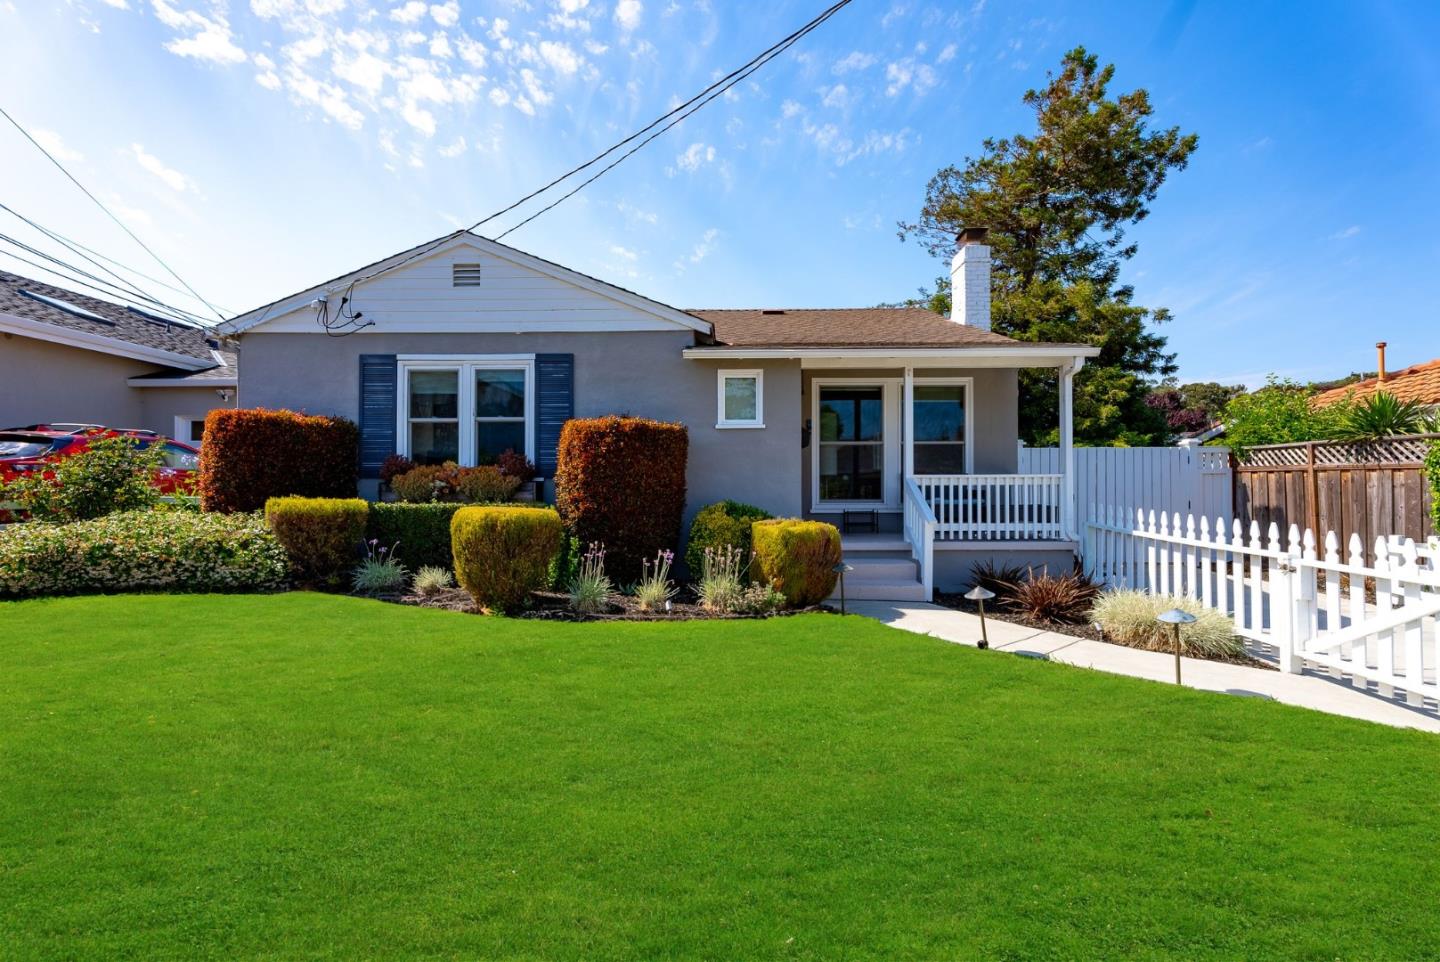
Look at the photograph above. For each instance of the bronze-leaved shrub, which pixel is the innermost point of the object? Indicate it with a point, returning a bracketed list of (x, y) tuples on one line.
[(254, 454)]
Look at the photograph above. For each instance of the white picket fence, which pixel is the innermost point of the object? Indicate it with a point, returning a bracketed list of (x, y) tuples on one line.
[(1193, 480), (1373, 619)]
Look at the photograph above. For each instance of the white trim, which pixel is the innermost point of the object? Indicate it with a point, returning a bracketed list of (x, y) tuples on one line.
[(41, 331), (213, 382), (674, 316), (968, 383), (721, 377), (182, 422), (889, 438), (1036, 355), (465, 366)]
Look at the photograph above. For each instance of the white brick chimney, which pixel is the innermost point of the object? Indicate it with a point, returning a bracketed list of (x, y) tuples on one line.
[(970, 280)]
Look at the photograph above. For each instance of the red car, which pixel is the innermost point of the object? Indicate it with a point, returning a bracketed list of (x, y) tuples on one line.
[(36, 446)]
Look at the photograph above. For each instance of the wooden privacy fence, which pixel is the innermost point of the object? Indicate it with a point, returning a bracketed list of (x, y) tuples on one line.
[(1191, 480), (1371, 618), (1373, 489)]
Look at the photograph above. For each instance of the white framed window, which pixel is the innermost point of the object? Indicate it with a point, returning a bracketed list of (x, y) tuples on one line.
[(191, 430), (740, 399), (941, 429), (469, 409)]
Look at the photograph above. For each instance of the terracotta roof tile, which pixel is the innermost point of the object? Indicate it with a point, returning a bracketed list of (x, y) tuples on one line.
[(844, 327), (1419, 382)]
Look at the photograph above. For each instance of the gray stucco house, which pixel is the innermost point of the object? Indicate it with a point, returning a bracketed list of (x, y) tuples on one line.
[(462, 347), (67, 357)]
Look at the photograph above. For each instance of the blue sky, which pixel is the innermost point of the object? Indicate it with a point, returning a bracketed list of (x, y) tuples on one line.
[(264, 145)]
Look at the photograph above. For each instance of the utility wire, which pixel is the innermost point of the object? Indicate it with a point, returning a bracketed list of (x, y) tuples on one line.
[(105, 287), (119, 223), (81, 250), (697, 101)]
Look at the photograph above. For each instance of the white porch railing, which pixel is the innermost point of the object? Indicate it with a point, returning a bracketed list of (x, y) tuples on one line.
[(920, 527), (994, 507)]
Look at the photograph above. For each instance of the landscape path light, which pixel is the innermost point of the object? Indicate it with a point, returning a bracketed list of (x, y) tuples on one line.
[(1175, 618), (980, 595), (840, 569)]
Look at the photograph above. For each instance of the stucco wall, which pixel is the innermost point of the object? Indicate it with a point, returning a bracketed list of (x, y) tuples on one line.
[(639, 373), (41, 381), (161, 405), (994, 413)]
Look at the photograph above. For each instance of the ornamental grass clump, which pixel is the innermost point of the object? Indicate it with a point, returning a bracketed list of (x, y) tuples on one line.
[(998, 577), (431, 580), (379, 572), (1059, 599), (503, 553), (654, 590), (721, 587), (590, 589), (1129, 618)]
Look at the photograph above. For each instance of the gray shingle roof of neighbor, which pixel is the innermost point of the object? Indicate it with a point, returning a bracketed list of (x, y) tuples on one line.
[(35, 300), (225, 371)]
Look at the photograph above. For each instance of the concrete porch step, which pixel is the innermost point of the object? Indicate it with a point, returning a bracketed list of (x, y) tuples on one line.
[(883, 567), (880, 589)]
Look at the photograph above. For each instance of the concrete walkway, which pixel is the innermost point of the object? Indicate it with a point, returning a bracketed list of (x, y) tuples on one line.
[(1312, 689)]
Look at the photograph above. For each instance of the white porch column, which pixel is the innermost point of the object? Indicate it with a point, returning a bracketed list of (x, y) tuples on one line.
[(907, 418), (1067, 447)]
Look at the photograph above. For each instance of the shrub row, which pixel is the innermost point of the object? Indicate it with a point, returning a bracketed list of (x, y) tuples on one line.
[(620, 482), (141, 551), (421, 531), (252, 455)]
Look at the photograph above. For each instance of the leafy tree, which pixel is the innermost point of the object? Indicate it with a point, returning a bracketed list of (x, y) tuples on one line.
[(1179, 418), (1279, 413), (1057, 204), (111, 474), (1209, 397)]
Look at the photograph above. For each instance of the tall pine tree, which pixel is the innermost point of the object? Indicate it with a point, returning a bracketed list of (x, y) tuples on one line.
[(1057, 203)]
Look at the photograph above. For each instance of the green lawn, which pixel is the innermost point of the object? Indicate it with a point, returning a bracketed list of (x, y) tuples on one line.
[(303, 776)]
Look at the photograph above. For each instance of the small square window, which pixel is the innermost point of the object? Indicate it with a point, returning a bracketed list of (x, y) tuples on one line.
[(741, 401)]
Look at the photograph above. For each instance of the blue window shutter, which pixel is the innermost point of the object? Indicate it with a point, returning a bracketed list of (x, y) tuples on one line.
[(555, 396), (378, 384)]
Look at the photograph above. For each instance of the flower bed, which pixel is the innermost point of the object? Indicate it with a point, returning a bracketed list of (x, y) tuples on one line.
[(556, 606)]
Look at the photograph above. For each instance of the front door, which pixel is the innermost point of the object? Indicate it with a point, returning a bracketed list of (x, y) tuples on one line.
[(857, 444)]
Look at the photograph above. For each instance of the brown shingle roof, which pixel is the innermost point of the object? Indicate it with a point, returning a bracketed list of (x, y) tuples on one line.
[(1419, 382), (844, 327)]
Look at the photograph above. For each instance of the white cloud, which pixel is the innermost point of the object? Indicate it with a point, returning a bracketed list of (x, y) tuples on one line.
[(173, 178), (694, 157), (560, 56), (631, 212), (365, 70), (52, 142), (409, 13), (1347, 233), (499, 96), (572, 6), (445, 14), (627, 14), (907, 73), (894, 13), (472, 51), (453, 149), (440, 46), (707, 244), (328, 97), (837, 96), (595, 48), (418, 117), (624, 252), (854, 60), (117, 4), (791, 108), (946, 55), (209, 38)]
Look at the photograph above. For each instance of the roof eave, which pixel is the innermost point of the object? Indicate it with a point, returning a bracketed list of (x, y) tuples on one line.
[(1025, 355), (54, 333)]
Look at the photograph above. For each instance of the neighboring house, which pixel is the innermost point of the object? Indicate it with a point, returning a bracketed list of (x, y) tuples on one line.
[(463, 347), (66, 357), (1419, 383)]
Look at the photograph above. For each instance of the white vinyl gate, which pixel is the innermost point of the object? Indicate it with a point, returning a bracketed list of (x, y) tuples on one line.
[(1372, 619), (1190, 480)]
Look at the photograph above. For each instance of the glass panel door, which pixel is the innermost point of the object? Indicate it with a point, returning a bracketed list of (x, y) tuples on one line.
[(852, 443), (939, 417)]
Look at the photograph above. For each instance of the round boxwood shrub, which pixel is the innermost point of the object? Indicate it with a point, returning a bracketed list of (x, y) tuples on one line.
[(503, 553), (322, 536), (797, 558), (620, 482), (718, 525)]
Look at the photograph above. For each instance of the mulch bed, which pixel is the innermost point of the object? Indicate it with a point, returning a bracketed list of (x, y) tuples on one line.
[(555, 606), (1087, 631)]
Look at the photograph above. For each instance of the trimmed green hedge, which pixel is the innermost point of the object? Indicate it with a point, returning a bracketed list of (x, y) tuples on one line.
[(797, 558), (421, 532), (322, 536), (174, 551), (720, 524), (503, 553), (1432, 472)]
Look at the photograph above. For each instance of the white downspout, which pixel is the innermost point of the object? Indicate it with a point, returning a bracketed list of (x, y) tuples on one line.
[(1067, 447), (908, 419)]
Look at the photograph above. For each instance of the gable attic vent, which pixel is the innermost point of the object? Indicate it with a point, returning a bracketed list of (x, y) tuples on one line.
[(465, 275)]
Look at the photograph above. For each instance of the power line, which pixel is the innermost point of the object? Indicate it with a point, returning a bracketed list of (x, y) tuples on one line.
[(119, 223), (105, 287), (80, 249), (697, 101)]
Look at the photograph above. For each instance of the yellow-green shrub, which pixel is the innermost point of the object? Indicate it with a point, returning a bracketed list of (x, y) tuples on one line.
[(503, 553), (322, 536), (796, 557)]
